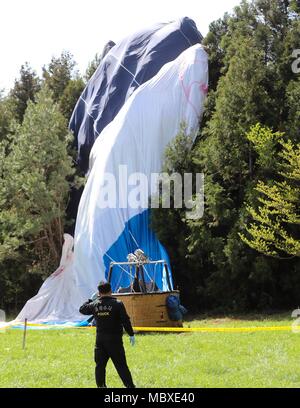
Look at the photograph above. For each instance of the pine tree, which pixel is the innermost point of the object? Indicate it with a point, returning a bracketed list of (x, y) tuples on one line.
[(58, 74), (6, 116), (34, 187), (277, 216), (70, 96), (92, 66), (24, 90)]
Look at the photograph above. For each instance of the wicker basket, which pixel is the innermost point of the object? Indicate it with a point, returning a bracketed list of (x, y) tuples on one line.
[(148, 309)]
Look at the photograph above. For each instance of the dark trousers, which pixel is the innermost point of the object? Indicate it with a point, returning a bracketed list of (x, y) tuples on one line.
[(113, 349)]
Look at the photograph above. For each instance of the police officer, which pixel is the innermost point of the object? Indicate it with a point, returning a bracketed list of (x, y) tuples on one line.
[(110, 316)]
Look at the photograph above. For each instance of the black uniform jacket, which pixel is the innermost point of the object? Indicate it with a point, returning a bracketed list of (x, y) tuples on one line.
[(110, 315)]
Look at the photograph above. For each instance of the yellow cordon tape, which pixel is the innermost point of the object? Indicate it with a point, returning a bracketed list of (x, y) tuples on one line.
[(46, 326), (213, 329), (171, 329)]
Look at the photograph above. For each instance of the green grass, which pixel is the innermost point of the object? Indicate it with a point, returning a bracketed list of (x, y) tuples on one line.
[(64, 358)]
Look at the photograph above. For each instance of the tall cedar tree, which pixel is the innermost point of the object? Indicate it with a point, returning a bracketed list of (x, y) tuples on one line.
[(34, 187)]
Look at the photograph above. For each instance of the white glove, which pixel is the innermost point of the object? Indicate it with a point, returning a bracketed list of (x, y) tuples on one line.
[(94, 296)]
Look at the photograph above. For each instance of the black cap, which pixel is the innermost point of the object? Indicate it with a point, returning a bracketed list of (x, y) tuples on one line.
[(104, 287)]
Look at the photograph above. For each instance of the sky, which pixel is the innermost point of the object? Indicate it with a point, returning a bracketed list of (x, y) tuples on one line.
[(35, 30)]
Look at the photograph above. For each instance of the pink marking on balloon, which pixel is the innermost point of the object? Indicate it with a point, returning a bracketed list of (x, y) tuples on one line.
[(187, 89), (58, 271), (204, 88)]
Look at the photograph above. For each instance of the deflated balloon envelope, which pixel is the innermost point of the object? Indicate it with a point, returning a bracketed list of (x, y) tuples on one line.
[(132, 107), (135, 141)]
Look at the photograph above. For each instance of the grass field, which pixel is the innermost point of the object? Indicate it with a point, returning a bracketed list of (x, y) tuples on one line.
[(64, 358)]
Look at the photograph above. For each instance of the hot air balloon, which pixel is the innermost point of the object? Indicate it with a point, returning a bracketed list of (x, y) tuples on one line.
[(145, 87)]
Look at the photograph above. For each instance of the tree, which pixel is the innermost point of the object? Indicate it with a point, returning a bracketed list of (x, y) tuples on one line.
[(277, 217), (92, 66), (256, 72), (215, 49), (34, 187), (24, 90), (251, 81), (170, 224), (293, 102), (58, 74), (70, 96), (6, 116)]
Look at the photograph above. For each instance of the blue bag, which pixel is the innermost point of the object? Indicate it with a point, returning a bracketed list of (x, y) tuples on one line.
[(174, 308)]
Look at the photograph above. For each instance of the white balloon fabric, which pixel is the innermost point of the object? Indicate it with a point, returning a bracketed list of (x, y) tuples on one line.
[(135, 140), (58, 297)]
